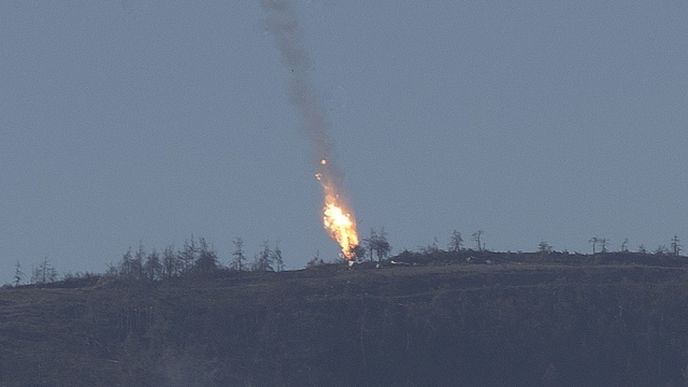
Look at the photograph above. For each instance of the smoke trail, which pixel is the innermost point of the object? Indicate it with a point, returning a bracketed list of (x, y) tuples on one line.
[(283, 24)]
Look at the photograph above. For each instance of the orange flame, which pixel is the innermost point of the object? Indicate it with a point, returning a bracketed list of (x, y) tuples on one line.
[(341, 225), (338, 221)]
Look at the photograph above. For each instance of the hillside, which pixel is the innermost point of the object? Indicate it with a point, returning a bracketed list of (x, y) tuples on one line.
[(523, 320)]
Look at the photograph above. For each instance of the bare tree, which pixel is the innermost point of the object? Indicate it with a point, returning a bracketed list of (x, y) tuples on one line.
[(544, 248), (44, 273), (594, 240), (434, 246), (263, 261), (126, 266), (603, 245), (377, 245), (207, 258), (624, 246), (455, 242), (477, 238), (370, 243), (169, 263), (676, 246), (187, 256), (18, 275), (642, 249), (382, 247), (153, 268), (112, 270), (239, 261), (276, 258), (137, 263)]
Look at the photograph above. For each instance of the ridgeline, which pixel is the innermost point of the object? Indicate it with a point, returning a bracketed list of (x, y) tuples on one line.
[(419, 319)]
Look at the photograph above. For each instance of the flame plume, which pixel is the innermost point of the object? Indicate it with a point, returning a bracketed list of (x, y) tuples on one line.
[(337, 217), (342, 227), (338, 220)]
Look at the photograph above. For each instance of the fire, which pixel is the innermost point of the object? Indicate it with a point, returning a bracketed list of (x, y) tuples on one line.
[(341, 225), (338, 221)]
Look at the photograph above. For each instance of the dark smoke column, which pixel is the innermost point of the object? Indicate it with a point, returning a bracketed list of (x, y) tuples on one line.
[(337, 219)]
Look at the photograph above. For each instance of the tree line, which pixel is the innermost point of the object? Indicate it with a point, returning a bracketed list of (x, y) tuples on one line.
[(599, 245), (197, 257)]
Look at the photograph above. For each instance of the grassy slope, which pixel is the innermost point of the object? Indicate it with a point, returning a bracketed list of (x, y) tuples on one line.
[(503, 324)]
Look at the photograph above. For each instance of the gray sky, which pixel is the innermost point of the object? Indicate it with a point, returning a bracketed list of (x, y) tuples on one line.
[(151, 120)]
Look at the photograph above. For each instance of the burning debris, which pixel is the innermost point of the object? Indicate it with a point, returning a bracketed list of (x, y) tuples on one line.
[(338, 219), (341, 225)]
